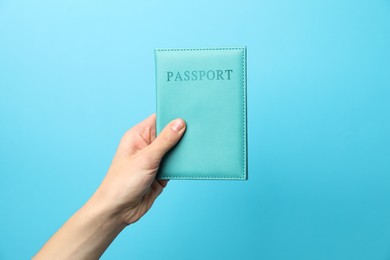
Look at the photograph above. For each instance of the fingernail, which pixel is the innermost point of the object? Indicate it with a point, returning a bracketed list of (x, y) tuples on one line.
[(177, 125)]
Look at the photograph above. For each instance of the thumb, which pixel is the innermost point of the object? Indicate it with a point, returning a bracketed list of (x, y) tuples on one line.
[(167, 139)]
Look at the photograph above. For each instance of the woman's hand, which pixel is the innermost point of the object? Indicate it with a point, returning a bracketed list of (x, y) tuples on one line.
[(130, 187), (125, 195)]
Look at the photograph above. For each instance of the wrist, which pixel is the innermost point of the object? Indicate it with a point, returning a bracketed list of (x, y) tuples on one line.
[(101, 206)]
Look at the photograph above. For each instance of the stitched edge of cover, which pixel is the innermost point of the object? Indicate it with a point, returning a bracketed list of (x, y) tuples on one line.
[(203, 49), (200, 178), (244, 162), (242, 49)]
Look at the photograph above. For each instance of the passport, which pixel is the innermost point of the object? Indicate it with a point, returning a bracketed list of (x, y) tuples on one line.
[(207, 88)]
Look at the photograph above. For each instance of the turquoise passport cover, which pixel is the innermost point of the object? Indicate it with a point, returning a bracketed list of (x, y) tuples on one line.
[(207, 88)]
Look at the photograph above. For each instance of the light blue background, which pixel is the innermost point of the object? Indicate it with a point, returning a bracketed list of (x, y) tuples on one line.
[(74, 75)]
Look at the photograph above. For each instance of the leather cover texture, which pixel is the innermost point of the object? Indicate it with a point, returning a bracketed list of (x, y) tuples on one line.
[(207, 88)]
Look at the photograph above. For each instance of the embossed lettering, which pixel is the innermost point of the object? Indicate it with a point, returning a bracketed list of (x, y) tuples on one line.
[(228, 73), (219, 75), (210, 75), (186, 75), (195, 75), (178, 77), (169, 74), (202, 73)]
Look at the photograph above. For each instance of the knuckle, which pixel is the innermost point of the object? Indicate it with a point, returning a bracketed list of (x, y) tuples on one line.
[(127, 135)]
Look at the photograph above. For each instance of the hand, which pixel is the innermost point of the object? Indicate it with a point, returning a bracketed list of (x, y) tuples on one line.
[(125, 195), (130, 186)]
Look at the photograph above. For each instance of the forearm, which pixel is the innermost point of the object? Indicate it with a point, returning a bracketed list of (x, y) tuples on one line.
[(86, 235), (125, 195)]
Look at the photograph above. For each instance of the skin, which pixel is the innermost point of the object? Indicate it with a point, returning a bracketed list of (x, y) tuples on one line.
[(124, 196)]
